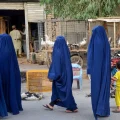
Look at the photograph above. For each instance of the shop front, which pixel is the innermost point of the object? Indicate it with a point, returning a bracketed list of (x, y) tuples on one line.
[(19, 12)]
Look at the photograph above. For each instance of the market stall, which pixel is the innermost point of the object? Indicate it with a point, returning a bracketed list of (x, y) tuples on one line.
[(112, 26)]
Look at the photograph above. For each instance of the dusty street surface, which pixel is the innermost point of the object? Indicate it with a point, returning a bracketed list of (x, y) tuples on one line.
[(33, 110)]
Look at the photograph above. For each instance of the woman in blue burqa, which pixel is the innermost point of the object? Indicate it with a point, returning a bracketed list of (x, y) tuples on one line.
[(60, 73), (99, 68), (10, 80)]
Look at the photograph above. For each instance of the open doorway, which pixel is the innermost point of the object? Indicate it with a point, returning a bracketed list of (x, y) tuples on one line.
[(12, 17), (37, 33), (8, 18)]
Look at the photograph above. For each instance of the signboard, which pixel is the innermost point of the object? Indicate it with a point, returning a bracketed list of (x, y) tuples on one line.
[(19, 0)]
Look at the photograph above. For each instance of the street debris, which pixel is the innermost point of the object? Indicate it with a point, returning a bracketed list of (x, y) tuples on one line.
[(27, 96)]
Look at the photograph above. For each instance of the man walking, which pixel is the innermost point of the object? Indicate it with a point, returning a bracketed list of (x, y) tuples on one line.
[(16, 37)]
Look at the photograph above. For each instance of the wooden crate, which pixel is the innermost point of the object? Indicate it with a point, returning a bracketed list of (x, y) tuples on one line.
[(37, 81)]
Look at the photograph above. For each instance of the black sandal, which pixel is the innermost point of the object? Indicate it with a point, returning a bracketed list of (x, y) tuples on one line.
[(46, 106), (89, 95)]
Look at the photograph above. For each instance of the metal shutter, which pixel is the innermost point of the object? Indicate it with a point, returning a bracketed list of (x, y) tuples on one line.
[(35, 12)]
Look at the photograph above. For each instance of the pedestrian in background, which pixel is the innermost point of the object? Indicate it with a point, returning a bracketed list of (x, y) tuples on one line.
[(16, 38)]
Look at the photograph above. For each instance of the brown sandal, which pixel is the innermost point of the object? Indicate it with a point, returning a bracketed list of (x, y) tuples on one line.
[(116, 111), (48, 107), (75, 111), (69, 111)]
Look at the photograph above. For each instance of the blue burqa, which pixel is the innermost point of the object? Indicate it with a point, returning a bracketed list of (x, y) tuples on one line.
[(10, 75), (99, 69), (3, 108), (61, 73)]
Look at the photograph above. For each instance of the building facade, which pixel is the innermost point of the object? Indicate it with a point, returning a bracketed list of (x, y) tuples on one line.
[(17, 12)]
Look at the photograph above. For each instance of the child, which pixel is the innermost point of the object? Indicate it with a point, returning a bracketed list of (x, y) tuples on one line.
[(117, 92)]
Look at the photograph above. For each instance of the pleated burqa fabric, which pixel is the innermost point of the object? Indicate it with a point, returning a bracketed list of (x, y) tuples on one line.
[(3, 108), (99, 67), (10, 75), (61, 73)]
